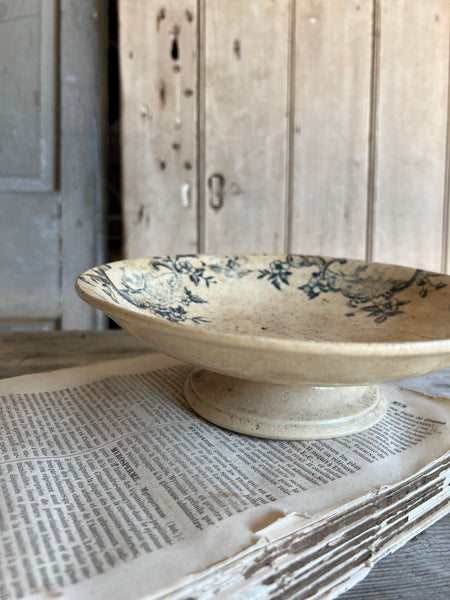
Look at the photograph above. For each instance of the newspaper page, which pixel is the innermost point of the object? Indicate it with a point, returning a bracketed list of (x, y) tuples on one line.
[(110, 486)]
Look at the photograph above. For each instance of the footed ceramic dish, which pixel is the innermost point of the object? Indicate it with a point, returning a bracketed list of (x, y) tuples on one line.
[(286, 346)]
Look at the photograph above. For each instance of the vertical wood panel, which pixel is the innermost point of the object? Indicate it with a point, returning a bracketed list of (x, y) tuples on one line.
[(158, 59), (246, 102), (29, 256), (28, 78), (412, 116), (52, 64), (83, 30), (331, 129)]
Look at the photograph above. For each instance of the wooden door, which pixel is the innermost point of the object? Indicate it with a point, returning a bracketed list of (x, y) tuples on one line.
[(312, 126), (244, 116), (51, 55)]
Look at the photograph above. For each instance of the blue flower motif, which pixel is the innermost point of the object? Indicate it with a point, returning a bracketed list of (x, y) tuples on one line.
[(161, 287)]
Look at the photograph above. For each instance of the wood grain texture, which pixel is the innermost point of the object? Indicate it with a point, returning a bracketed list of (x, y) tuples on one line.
[(28, 325), (158, 60), (83, 27), (53, 57), (358, 169), (246, 49), (331, 128), (411, 132), (23, 353), (417, 571)]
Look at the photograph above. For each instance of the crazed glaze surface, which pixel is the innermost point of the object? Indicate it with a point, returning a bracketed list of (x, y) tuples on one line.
[(290, 297), (312, 331)]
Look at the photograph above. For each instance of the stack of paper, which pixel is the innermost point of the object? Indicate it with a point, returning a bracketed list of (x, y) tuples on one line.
[(111, 487)]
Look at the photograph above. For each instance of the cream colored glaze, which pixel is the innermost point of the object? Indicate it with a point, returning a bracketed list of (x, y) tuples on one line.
[(260, 333)]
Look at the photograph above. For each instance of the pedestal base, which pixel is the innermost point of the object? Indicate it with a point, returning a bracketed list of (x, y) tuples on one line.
[(283, 412)]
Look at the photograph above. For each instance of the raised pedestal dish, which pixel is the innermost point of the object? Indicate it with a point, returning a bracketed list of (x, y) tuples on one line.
[(286, 346)]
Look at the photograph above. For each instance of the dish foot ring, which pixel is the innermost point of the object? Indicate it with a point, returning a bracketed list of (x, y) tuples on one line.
[(283, 412)]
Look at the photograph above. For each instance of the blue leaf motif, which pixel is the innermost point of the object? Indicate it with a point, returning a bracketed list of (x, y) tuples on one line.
[(160, 288)]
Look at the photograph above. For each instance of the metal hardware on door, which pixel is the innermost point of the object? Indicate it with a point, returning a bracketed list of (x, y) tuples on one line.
[(186, 195), (216, 184)]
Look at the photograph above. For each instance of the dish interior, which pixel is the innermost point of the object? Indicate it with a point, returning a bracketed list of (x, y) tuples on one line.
[(292, 297)]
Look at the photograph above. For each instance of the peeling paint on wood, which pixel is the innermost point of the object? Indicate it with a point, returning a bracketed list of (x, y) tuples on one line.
[(164, 67), (328, 121), (159, 17), (237, 48), (246, 90)]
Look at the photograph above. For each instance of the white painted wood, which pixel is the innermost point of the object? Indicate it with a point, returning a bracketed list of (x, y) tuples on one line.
[(158, 59), (28, 78), (245, 67), (357, 170), (410, 137), (331, 128)]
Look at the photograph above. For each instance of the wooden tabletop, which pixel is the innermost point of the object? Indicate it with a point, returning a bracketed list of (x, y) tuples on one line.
[(22, 353), (418, 571)]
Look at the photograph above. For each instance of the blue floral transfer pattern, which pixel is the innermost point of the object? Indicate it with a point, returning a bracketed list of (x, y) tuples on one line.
[(366, 293), (161, 286), (160, 291)]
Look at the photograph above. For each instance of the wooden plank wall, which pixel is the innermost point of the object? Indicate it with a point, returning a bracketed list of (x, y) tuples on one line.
[(313, 127), (331, 127), (158, 59), (412, 108), (246, 83)]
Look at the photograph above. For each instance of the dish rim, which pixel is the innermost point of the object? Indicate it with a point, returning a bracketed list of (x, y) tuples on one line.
[(265, 342)]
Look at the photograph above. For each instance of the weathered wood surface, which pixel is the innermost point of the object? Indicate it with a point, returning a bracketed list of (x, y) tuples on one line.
[(22, 353), (245, 119), (331, 128), (29, 258), (158, 62), (83, 91), (328, 122), (411, 132), (417, 571), (28, 84), (52, 59), (29, 203)]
